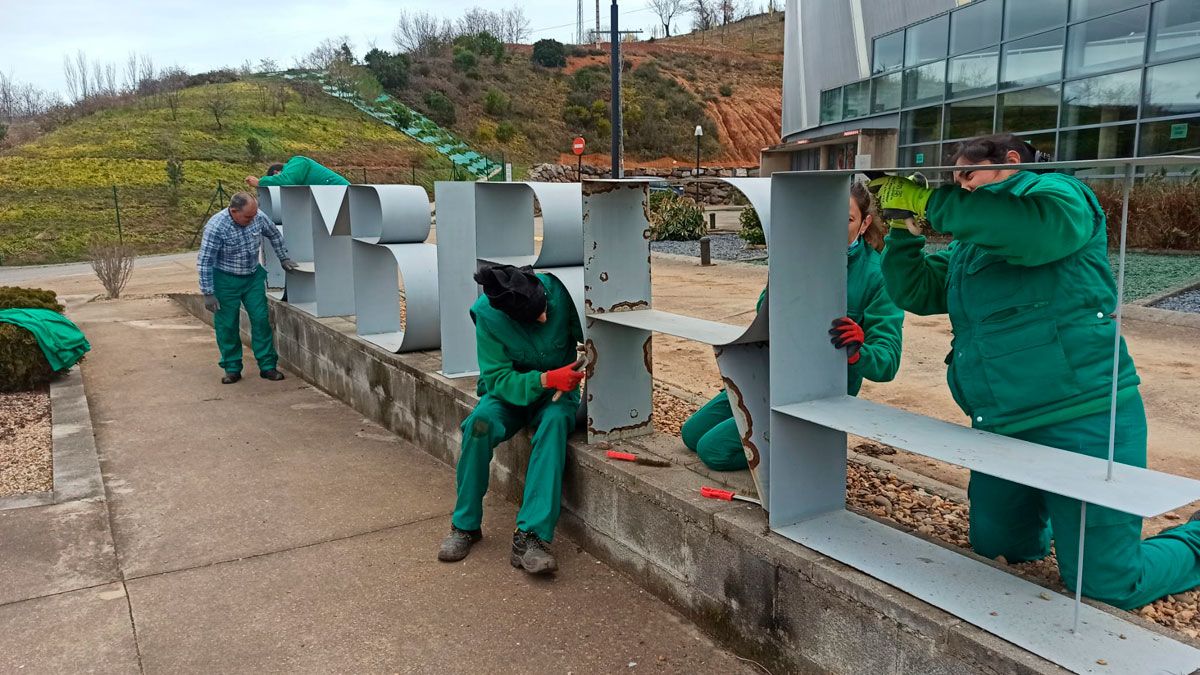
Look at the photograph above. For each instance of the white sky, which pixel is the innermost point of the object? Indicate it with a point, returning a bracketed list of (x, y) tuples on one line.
[(200, 36)]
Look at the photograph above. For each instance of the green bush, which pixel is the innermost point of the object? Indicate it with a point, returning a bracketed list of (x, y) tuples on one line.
[(675, 218), (496, 103), (402, 117), (752, 230), (23, 366), (390, 69), (549, 53), (254, 148), (464, 60), (440, 108), (726, 90), (505, 131)]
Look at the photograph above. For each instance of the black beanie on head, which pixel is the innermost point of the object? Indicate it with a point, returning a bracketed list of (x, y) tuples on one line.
[(516, 291)]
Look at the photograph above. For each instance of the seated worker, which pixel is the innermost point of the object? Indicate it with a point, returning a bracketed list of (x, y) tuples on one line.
[(1030, 294), (871, 334), (527, 332), (299, 170)]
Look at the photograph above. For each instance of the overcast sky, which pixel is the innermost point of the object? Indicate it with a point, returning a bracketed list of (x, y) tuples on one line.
[(199, 36)]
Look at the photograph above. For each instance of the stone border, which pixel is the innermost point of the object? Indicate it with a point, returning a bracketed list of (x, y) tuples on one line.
[(770, 599), (76, 463)]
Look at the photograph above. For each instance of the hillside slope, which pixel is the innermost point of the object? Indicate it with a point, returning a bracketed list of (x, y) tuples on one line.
[(56, 193)]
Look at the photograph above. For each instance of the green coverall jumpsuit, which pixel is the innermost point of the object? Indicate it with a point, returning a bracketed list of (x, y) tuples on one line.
[(711, 432), (512, 357), (301, 170), (1030, 294)]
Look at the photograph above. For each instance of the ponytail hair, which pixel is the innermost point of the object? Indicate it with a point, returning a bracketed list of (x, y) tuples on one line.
[(866, 206)]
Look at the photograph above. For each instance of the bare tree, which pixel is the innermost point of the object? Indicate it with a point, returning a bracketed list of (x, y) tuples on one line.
[(219, 104), (516, 25), (666, 10), (324, 54), (267, 66), (113, 263), (421, 33), (728, 11), (131, 73), (170, 84), (75, 72), (145, 69), (704, 14), (478, 20)]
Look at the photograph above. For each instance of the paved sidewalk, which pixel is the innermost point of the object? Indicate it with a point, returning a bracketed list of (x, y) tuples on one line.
[(267, 527)]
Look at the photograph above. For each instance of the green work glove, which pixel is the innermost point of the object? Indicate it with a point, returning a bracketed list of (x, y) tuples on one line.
[(897, 194)]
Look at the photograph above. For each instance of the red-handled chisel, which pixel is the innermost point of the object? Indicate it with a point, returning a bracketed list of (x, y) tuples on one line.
[(727, 495), (630, 457)]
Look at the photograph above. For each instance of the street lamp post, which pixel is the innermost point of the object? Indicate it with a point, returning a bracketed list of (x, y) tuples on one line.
[(699, 134)]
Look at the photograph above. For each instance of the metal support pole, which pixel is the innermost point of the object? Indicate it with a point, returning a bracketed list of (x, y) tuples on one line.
[(615, 58), (579, 168), (712, 220), (364, 173), (117, 208), (1112, 413), (705, 252), (414, 174), (1079, 566)]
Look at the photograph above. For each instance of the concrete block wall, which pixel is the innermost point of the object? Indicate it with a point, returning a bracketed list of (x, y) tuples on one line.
[(766, 597)]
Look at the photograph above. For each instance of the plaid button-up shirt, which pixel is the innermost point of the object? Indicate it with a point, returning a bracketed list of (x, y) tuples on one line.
[(234, 249)]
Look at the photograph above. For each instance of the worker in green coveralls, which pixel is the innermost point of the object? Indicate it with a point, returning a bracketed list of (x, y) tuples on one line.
[(871, 334), (526, 332), (1031, 298), (298, 170)]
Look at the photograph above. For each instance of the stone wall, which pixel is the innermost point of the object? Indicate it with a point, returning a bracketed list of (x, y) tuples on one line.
[(711, 192)]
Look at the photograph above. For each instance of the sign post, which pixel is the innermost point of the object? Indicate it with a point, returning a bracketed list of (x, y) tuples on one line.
[(577, 148)]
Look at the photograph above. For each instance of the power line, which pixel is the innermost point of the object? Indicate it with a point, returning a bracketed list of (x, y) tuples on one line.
[(568, 25)]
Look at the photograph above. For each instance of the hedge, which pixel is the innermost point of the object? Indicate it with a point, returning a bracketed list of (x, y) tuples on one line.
[(23, 366)]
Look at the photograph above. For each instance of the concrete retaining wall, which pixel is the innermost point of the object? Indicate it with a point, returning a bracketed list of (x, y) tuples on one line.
[(766, 597)]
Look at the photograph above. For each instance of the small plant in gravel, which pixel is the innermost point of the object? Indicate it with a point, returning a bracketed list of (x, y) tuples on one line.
[(752, 230), (726, 90), (23, 366), (675, 218)]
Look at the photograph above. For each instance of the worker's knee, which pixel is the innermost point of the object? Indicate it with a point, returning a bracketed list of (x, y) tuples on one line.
[(720, 453), (692, 431)]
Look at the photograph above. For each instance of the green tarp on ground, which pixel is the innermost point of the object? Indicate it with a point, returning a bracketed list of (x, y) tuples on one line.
[(60, 339)]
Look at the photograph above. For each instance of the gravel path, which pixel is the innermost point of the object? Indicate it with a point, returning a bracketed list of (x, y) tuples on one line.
[(1184, 302), (722, 247), (25, 445), (911, 508)]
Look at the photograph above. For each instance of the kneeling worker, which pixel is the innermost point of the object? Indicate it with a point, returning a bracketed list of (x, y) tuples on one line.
[(527, 332), (298, 170)]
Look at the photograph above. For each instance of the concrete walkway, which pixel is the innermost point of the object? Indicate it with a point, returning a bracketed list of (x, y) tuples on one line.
[(266, 527)]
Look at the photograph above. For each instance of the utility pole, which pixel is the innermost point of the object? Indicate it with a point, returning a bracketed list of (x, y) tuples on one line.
[(618, 137), (578, 22), (596, 30)]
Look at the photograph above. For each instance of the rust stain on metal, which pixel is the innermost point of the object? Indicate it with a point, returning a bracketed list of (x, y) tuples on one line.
[(626, 306), (597, 187), (617, 430), (603, 277), (647, 354), (646, 234), (748, 445), (589, 352)]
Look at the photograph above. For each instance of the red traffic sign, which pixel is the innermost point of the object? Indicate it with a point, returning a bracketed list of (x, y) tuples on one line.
[(577, 146)]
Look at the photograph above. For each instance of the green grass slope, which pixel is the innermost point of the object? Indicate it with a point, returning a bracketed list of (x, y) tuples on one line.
[(56, 193)]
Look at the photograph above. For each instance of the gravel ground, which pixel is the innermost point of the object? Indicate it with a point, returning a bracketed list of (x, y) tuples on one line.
[(1184, 302), (25, 443), (883, 495), (721, 246)]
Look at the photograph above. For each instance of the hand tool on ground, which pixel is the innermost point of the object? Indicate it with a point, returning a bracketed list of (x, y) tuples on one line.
[(727, 495), (630, 457), (580, 364)]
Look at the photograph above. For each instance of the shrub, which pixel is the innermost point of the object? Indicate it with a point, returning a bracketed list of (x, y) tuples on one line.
[(23, 366), (1163, 214), (401, 116), (675, 218), (113, 263), (726, 90), (3, 130), (464, 60), (254, 148), (440, 108), (752, 230), (549, 53), (505, 132), (424, 69), (390, 69), (496, 103)]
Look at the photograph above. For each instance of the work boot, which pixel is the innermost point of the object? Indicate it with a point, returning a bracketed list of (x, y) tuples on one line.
[(457, 544), (530, 554), (230, 378), (272, 375)]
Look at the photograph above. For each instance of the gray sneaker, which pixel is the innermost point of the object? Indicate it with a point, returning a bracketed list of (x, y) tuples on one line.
[(457, 544), (531, 554)]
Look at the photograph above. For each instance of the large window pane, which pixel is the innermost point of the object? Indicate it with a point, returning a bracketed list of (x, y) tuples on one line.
[(856, 99), (831, 105), (1044, 142), (1029, 109), (974, 26), (973, 73), (889, 53), (1086, 9), (1175, 30), (1173, 89), (921, 125), (967, 119), (1022, 17), (920, 155), (926, 41), (1110, 42), (1102, 100), (1171, 137), (1032, 60), (926, 84), (1096, 143), (885, 92)]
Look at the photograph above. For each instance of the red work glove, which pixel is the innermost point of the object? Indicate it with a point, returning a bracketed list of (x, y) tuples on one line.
[(562, 379), (847, 334)]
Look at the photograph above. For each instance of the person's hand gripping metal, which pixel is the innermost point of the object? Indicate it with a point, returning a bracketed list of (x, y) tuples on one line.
[(902, 200)]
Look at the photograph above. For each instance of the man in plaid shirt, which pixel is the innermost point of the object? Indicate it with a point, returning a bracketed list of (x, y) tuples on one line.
[(230, 276)]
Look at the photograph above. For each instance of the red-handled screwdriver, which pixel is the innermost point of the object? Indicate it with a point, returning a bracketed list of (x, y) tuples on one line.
[(727, 495), (630, 457)]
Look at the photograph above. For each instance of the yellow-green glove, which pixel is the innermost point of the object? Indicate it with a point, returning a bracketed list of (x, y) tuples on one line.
[(900, 196)]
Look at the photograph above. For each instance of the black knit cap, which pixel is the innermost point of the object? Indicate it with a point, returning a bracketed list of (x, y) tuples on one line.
[(516, 291)]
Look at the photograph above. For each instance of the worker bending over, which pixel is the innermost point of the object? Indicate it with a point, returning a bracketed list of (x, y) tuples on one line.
[(871, 334), (298, 170), (526, 333), (1031, 300)]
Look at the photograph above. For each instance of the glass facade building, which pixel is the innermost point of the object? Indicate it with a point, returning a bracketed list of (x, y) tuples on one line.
[(1080, 79)]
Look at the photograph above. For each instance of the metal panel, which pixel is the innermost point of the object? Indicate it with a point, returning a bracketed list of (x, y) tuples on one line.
[(619, 382), (1133, 490), (757, 191), (389, 214), (296, 212), (572, 280), (504, 223), (330, 217), (378, 272), (745, 370), (268, 203), (690, 328), (994, 600), (457, 289), (562, 223), (270, 261)]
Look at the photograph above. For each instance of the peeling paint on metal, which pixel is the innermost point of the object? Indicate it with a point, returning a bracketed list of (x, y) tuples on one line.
[(648, 353), (735, 395)]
